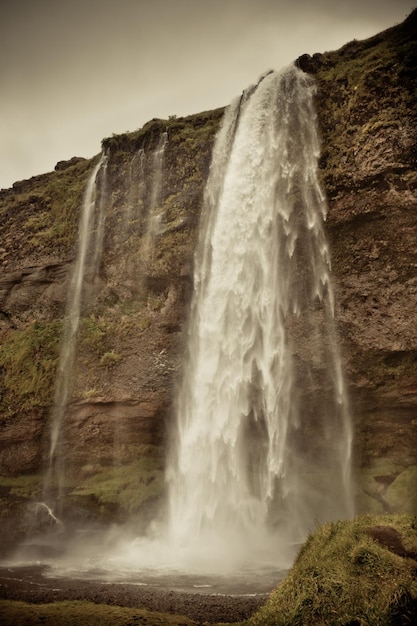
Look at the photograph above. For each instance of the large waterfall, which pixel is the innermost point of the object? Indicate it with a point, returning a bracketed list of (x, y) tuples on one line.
[(261, 448)]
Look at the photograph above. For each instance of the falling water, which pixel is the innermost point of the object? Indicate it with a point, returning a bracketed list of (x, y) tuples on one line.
[(155, 211), (262, 442), (90, 239), (137, 189), (99, 201), (154, 214)]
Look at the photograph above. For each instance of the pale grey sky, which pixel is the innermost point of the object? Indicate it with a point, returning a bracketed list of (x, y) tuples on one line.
[(75, 71)]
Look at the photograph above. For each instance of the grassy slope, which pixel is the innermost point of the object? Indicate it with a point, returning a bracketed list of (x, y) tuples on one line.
[(85, 613), (357, 573)]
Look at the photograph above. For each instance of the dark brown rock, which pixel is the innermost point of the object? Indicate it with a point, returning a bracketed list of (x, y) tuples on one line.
[(62, 165), (310, 64)]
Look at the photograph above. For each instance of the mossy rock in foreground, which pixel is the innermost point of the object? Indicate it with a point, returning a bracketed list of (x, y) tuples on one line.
[(352, 573)]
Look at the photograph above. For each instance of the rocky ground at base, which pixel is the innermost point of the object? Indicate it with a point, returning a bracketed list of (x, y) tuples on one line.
[(29, 585)]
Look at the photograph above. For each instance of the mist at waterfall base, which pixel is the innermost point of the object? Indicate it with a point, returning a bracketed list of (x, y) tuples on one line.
[(260, 449)]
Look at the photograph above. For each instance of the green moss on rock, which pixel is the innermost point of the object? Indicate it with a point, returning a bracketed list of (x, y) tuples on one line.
[(125, 488), (40, 216), (28, 362), (402, 492)]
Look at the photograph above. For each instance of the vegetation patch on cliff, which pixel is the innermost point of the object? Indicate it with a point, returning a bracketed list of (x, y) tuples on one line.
[(28, 362), (40, 216), (125, 487), (366, 106)]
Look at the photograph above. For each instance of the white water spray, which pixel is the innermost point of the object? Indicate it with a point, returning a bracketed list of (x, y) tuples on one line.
[(262, 443)]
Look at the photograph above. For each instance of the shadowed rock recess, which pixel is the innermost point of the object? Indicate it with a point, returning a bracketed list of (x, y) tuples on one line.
[(131, 333)]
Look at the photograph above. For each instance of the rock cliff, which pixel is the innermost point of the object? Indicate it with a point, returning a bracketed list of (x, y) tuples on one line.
[(366, 106), (131, 333)]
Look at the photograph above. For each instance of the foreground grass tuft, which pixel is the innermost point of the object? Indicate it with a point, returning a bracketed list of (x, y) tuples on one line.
[(13, 613), (352, 573)]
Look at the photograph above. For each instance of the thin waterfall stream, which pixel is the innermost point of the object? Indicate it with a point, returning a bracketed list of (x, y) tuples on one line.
[(89, 247), (155, 212)]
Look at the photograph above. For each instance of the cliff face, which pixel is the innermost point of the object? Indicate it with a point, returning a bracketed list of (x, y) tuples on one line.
[(366, 106), (132, 326), (130, 334)]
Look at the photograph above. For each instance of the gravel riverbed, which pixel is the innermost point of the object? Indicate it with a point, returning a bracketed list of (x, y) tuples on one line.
[(30, 584)]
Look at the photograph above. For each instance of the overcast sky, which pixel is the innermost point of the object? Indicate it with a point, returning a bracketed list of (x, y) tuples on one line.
[(75, 71)]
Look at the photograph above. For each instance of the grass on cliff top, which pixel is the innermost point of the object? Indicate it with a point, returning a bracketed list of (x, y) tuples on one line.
[(351, 573), (367, 88), (68, 613), (45, 209), (196, 127)]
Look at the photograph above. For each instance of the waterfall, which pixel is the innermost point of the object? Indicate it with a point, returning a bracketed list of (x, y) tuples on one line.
[(137, 190), (155, 215), (262, 439), (90, 242), (98, 204)]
